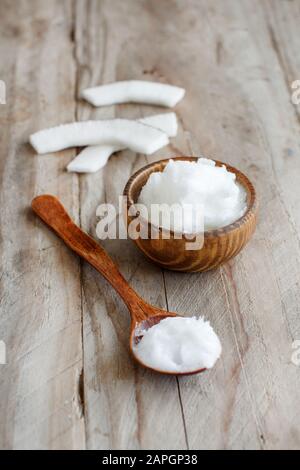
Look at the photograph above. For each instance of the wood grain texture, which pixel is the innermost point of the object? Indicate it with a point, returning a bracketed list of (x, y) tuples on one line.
[(69, 381), (119, 409), (40, 318)]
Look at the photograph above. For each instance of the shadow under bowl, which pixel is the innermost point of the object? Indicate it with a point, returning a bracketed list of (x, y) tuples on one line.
[(219, 245)]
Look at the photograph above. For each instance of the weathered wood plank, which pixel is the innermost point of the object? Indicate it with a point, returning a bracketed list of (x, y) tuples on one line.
[(125, 406), (253, 301), (40, 281)]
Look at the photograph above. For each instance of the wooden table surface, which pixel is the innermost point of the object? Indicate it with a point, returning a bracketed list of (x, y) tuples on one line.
[(69, 382)]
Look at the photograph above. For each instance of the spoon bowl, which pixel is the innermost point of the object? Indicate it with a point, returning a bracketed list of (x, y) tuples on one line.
[(143, 315), (137, 334)]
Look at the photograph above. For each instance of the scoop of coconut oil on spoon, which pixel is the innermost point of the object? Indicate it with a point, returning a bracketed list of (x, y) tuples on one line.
[(162, 341)]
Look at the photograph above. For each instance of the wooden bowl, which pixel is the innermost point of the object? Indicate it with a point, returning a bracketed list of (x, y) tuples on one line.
[(219, 245)]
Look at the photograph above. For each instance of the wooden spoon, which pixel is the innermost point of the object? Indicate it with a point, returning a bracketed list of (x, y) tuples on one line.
[(143, 315)]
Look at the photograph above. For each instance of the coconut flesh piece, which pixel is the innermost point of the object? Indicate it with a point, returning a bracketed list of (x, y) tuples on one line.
[(125, 133), (93, 158), (134, 91)]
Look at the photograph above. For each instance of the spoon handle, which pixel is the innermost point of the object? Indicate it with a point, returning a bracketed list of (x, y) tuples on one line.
[(53, 213)]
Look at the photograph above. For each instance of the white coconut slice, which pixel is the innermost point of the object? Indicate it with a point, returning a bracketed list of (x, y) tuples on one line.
[(166, 122), (134, 91), (123, 132), (93, 158)]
